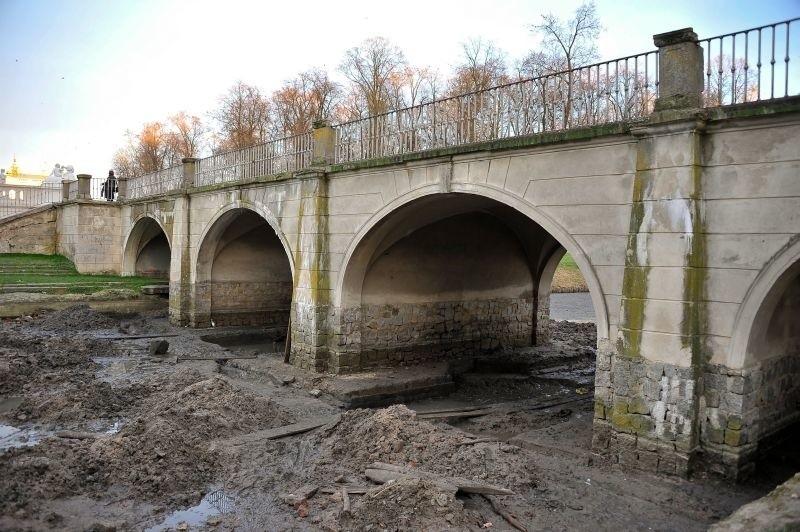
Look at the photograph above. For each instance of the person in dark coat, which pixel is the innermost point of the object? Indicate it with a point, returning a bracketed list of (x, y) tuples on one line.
[(110, 186)]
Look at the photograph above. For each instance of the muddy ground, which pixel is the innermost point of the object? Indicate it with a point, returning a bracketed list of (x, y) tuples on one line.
[(98, 434)]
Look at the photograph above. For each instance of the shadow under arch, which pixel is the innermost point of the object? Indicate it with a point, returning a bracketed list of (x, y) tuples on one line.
[(243, 269), (376, 235), (759, 305), (148, 249)]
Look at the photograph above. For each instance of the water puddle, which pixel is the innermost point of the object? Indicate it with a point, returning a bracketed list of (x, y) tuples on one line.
[(12, 437), (214, 503), (114, 428)]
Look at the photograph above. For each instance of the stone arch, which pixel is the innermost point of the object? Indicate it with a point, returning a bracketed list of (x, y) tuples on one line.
[(147, 250), (347, 287), (764, 362), (243, 269), (752, 318)]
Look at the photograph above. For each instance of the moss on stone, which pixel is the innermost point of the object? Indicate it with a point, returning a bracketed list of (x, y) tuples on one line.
[(635, 276), (599, 410), (734, 423), (638, 406), (734, 438)]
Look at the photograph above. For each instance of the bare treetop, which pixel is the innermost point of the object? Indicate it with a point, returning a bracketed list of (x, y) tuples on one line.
[(574, 39), (370, 67)]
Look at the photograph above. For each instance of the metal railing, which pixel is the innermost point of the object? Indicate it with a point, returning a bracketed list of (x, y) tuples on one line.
[(744, 66), (612, 91), (15, 199), (157, 182), (752, 65), (287, 154)]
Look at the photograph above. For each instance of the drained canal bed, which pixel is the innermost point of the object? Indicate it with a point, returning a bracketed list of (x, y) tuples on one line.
[(219, 436)]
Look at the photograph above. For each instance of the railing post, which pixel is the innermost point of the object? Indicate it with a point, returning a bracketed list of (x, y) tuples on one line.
[(680, 70), (84, 186), (324, 138), (189, 170), (122, 188), (65, 189)]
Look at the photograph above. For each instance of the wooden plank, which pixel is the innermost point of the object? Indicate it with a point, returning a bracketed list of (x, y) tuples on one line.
[(281, 432), (446, 410), (457, 414), (351, 490), (510, 519), (381, 473)]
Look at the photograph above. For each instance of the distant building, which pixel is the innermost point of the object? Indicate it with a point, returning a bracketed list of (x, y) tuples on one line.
[(15, 177)]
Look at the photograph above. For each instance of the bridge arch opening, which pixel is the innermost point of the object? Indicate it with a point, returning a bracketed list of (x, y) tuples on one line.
[(243, 273), (769, 420), (445, 277), (147, 251)]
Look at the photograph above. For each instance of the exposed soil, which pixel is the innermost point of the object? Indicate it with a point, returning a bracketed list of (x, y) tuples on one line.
[(113, 438)]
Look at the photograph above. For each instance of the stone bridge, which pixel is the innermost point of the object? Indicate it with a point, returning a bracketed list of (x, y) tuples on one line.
[(685, 224)]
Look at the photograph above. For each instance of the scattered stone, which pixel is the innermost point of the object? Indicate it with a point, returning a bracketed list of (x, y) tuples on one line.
[(316, 392), (287, 380), (158, 347)]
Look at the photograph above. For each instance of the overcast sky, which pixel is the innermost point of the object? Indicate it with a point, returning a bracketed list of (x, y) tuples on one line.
[(78, 73)]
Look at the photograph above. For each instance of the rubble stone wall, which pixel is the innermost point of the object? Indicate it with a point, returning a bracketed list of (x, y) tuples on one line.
[(415, 332), (644, 414), (251, 303)]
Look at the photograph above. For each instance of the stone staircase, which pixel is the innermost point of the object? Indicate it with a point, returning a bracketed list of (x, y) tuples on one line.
[(9, 267)]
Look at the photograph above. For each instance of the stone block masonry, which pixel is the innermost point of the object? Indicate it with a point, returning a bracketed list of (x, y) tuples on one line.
[(251, 303), (647, 419), (389, 335)]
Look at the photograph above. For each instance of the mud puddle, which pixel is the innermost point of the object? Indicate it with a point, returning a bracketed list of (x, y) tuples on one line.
[(13, 437), (214, 503)]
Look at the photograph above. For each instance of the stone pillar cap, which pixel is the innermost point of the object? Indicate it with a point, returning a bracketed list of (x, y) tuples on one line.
[(675, 37), (189, 160)]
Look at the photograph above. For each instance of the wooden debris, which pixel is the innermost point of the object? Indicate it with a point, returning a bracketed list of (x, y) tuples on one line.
[(345, 501), (303, 493), (456, 413), (279, 432), (446, 410), (287, 349), (551, 404), (351, 490), (510, 519), (382, 473)]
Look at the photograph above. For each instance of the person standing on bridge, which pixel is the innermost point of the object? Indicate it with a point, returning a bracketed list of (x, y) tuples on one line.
[(110, 186)]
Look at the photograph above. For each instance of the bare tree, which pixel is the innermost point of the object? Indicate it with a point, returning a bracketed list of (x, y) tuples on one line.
[(243, 116), (574, 42), (187, 135), (153, 150), (725, 82), (369, 67), (308, 97), (482, 66)]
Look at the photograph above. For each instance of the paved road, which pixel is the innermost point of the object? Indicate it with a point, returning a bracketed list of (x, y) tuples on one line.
[(577, 306)]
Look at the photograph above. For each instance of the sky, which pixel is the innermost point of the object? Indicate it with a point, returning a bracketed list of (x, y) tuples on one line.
[(78, 73)]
